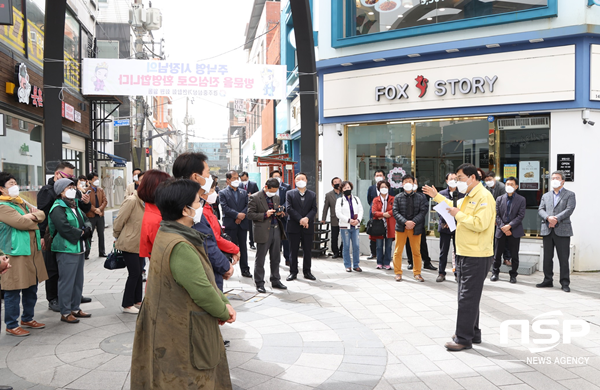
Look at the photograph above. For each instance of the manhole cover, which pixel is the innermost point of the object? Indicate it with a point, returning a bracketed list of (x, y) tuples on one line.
[(121, 344)]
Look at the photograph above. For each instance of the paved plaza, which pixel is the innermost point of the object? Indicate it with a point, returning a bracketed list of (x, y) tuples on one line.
[(344, 331)]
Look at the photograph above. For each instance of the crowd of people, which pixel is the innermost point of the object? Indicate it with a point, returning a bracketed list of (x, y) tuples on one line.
[(175, 222)]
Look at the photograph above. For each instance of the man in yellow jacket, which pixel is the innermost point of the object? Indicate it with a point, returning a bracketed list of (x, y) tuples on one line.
[(474, 251)]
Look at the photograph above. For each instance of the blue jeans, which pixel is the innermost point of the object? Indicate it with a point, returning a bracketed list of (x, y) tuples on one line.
[(12, 299), (347, 236), (384, 259)]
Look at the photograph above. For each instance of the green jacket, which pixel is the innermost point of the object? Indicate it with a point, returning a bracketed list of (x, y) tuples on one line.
[(66, 228), (15, 242)]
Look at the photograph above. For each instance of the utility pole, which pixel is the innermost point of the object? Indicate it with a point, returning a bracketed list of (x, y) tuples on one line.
[(187, 121)]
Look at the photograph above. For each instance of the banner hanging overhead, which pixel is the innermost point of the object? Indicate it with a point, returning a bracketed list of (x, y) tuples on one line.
[(113, 77)]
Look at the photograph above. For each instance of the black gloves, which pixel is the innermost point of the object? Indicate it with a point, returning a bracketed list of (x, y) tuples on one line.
[(87, 234)]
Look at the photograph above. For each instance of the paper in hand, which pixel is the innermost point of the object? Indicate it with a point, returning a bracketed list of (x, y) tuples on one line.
[(443, 210)]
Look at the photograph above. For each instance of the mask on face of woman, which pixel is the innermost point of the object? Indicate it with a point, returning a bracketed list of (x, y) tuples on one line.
[(212, 198), (13, 191), (384, 190), (198, 215), (71, 193), (347, 192)]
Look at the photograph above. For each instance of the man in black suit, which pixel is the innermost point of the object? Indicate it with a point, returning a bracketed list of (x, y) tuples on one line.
[(510, 211), (302, 209), (263, 211), (234, 202), (372, 194), (446, 236), (283, 189), (251, 188)]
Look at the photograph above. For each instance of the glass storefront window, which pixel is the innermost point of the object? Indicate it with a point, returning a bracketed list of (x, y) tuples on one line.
[(373, 16), (74, 157), (35, 30), (432, 148), (72, 50), (21, 155), (373, 147)]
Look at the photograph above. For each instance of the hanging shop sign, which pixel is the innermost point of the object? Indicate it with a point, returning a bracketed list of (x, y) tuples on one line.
[(529, 175), (517, 77), (24, 92), (115, 77), (6, 13), (566, 163), (69, 112)]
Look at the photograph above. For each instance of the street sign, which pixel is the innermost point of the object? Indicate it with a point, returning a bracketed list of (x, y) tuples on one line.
[(284, 137), (122, 122)]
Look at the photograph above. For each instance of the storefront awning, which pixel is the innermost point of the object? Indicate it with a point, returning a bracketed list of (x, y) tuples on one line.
[(119, 161)]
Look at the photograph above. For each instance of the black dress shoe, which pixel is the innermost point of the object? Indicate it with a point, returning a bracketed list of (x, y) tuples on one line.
[(544, 284), (371, 257), (335, 257), (430, 266), (252, 247), (566, 288), (291, 277), (513, 279), (309, 276), (410, 266), (6, 388), (279, 285), (86, 300), (102, 255), (261, 289), (226, 342), (246, 274), (495, 277), (287, 263), (53, 305)]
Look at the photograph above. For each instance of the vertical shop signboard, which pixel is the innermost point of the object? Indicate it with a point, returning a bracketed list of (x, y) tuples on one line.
[(509, 170), (529, 175), (566, 163)]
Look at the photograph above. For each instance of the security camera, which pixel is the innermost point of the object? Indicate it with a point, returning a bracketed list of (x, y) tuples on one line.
[(588, 122), (338, 127)]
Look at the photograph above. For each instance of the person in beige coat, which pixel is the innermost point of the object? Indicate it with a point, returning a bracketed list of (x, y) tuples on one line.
[(127, 230), (132, 187), (21, 242)]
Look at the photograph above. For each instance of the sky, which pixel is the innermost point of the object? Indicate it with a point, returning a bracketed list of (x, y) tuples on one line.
[(194, 30)]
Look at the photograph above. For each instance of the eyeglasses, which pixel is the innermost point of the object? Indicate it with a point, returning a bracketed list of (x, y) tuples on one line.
[(66, 175)]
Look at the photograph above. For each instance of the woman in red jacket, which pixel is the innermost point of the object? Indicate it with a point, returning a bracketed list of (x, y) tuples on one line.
[(152, 218), (223, 244), (382, 208)]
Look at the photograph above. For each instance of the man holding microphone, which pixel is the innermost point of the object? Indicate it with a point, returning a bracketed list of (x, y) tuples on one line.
[(475, 216)]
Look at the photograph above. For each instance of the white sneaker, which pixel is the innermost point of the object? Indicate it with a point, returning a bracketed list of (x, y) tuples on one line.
[(131, 310)]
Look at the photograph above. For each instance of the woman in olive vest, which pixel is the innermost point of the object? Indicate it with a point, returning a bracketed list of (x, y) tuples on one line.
[(177, 342), (20, 240), (70, 229)]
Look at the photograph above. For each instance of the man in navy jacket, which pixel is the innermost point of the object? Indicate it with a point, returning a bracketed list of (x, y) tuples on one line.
[(510, 211), (234, 203)]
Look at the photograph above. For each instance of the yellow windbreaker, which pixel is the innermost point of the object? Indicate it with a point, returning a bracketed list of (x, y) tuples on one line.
[(475, 223)]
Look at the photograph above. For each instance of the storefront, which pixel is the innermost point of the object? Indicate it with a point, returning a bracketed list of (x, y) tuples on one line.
[(512, 113)]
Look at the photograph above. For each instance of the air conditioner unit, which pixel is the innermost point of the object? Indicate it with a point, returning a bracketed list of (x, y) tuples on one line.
[(542, 122), (153, 19)]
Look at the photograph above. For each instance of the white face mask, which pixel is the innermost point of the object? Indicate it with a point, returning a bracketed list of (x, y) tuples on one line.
[(278, 179), (378, 179), (510, 189), (212, 198), (452, 183), (13, 191), (462, 187), (198, 216), (408, 187), (83, 184), (208, 182), (490, 183), (135, 178), (244, 182), (71, 193), (384, 190), (301, 184), (555, 183), (96, 183), (415, 187), (235, 183), (270, 194)]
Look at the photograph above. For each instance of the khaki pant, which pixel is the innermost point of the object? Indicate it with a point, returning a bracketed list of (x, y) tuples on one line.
[(415, 246)]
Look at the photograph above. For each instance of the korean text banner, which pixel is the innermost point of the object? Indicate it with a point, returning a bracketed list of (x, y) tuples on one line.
[(113, 77)]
